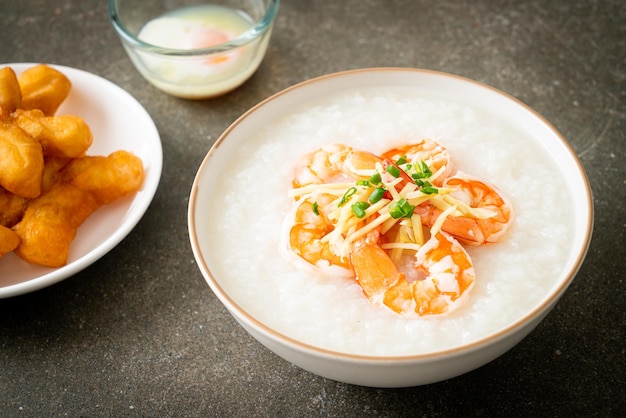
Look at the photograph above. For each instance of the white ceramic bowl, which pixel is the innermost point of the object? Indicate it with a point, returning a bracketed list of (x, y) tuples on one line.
[(391, 370)]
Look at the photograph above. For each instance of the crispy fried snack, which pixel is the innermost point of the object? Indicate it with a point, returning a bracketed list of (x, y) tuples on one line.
[(21, 162), (107, 178), (60, 136), (52, 171), (48, 187), (12, 208), (9, 240), (43, 88), (50, 222), (10, 93)]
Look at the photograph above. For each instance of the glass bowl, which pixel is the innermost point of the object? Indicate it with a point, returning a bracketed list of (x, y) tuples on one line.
[(191, 49)]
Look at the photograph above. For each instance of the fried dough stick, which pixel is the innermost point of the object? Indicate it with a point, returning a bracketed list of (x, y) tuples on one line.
[(60, 136), (106, 178), (50, 222), (12, 208), (52, 170), (8, 240), (44, 88), (21, 162), (10, 93)]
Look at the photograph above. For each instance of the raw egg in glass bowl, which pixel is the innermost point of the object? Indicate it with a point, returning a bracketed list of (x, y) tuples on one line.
[(191, 49)]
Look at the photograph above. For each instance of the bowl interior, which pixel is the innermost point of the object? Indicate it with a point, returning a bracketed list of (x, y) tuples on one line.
[(203, 214)]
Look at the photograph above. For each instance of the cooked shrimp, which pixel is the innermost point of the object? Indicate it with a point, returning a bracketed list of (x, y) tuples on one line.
[(430, 152), (443, 274), (319, 183), (494, 217), (334, 163), (310, 225), (367, 214)]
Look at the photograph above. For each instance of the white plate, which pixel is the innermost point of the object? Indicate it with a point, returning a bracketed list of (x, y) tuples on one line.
[(118, 122)]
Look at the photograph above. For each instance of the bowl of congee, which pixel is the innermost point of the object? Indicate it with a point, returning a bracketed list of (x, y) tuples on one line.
[(390, 227)]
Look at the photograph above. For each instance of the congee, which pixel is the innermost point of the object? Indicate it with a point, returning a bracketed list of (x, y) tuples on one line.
[(251, 216)]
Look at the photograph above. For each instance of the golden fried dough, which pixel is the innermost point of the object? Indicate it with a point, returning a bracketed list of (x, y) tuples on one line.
[(60, 136), (43, 88), (12, 207), (9, 240), (48, 186), (107, 178), (50, 222), (10, 93), (52, 171), (21, 165)]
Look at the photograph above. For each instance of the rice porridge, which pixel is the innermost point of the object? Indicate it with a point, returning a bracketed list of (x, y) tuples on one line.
[(328, 311)]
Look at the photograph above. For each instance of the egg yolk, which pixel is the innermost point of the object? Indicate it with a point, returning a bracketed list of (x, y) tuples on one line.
[(203, 38)]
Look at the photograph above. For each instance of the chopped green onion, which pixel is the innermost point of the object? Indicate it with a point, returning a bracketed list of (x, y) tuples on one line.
[(401, 160), (358, 209), (426, 187), (377, 194), (393, 170), (362, 183), (422, 171), (375, 179), (401, 209), (425, 168), (316, 209), (347, 195)]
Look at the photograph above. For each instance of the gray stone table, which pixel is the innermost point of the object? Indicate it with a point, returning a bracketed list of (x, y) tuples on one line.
[(139, 333)]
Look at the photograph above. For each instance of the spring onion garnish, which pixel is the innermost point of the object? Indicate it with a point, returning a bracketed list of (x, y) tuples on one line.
[(376, 178), (401, 209), (316, 209), (401, 160), (393, 170), (347, 195), (422, 171), (427, 188), (358, 209), (377, 194)]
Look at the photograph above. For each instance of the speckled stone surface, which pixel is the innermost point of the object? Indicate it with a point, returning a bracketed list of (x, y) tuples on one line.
[(139, 332)]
